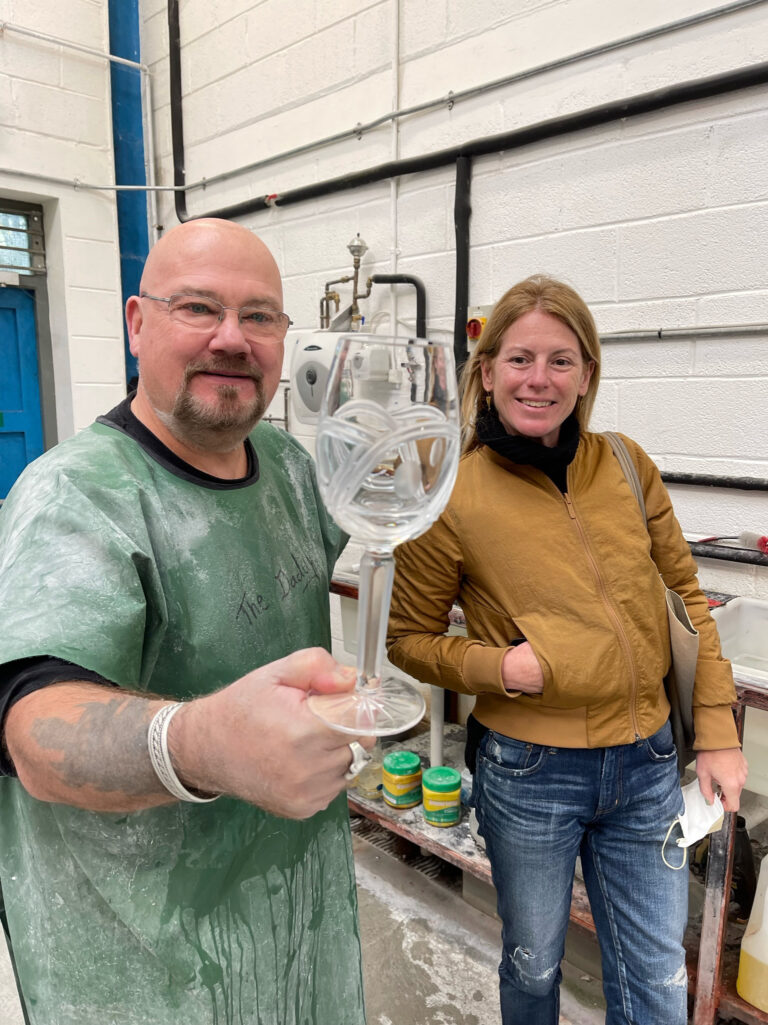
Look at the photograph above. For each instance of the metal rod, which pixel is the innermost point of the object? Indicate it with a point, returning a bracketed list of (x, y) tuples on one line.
[(6, 26), (77, 184), (679, 333), (149, 160)]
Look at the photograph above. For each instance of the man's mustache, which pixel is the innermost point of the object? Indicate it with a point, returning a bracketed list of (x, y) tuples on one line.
[(223, 366)]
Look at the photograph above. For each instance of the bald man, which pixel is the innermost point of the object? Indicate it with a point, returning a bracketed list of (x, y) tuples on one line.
[(174, 839)]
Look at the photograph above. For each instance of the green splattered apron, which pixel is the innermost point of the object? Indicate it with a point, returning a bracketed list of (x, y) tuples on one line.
[(216, 914)]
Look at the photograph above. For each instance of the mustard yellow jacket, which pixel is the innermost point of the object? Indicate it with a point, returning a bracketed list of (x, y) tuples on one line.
[(577, 575)]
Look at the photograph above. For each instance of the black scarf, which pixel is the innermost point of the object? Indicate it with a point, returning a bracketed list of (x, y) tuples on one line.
[(552, 461)]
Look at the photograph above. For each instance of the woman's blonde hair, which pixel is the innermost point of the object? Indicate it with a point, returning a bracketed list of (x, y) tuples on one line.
[(539, 292)]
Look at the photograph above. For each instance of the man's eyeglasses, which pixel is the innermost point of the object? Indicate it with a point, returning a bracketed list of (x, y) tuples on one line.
[(199, 313)]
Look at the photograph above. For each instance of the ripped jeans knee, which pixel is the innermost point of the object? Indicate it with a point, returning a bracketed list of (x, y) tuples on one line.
[(535, 975), (672, 984)]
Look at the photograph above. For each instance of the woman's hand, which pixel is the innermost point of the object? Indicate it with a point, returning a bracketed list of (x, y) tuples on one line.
[(726, 768), (520, 670)]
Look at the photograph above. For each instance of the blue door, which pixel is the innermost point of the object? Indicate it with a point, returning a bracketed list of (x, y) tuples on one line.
[(21, 422)]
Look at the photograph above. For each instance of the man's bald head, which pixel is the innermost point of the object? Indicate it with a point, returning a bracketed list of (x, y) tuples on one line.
[(205, 387), (200, 238)]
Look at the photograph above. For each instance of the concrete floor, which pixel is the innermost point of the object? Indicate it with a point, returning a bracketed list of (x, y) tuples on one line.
[(430, 958), (10, 1012)]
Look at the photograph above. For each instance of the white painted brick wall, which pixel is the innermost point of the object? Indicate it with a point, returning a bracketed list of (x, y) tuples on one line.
[(77, 21), (55, 118), (660, 221)]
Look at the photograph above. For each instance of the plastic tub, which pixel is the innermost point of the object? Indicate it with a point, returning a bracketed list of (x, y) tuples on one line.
[(743, 627)]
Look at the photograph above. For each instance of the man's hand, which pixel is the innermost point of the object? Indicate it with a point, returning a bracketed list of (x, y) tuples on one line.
[(257, 740), (726, 768), (520, 670), (85, 744)]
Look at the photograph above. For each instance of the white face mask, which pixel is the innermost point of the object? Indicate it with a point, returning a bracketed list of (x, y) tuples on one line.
[(697, 819)]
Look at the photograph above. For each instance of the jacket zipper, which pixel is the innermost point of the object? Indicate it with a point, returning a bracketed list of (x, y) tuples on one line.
[(623, 639)]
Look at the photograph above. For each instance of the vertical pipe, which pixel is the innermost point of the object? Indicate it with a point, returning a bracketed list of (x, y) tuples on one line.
[(462, 211), (177, 120), (128, 144), (149, 161), (436, 723), (394, 183)]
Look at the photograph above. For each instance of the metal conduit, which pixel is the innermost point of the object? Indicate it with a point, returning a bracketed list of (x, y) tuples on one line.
[(693, 333), (645, 103), (6, 26)]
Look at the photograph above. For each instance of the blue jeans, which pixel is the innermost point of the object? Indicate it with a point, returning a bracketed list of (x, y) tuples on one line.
[(537, 809)]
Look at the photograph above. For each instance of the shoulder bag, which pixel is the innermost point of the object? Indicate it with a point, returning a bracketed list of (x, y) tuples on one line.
[(683, 637)]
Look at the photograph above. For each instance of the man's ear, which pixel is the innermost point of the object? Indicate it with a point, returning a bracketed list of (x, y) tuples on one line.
[(133, 318)]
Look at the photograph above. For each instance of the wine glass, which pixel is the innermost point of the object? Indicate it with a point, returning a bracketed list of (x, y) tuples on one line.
[(387, 455)]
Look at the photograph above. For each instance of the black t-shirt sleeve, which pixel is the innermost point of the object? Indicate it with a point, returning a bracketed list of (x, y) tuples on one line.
[(26, 675)]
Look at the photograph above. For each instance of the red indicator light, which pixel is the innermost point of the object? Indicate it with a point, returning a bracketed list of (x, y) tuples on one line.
[(475, 328)]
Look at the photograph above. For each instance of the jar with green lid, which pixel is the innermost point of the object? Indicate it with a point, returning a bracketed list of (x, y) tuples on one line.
[(441, 787), (401, 779)]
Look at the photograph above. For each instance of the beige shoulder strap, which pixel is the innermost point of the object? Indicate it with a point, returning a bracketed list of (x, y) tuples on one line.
[(628, 466)]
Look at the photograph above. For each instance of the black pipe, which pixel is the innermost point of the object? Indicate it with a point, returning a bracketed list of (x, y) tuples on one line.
[(421, 296), (708, 551), (709, 480), (462, 211), (177, 119)]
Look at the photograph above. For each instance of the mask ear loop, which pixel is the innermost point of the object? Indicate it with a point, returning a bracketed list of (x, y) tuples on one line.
[(675, 868)]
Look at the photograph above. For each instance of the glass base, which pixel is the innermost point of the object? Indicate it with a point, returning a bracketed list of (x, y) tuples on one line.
[(392, 707)]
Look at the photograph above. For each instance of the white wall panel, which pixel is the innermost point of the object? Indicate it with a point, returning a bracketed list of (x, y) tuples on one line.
[(97, 361), (77, 21), (713, 429)]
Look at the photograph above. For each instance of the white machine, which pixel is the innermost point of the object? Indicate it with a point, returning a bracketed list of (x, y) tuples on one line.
[(311, 354)]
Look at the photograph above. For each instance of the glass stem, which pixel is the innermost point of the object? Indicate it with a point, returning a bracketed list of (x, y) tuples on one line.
[(377, 571)]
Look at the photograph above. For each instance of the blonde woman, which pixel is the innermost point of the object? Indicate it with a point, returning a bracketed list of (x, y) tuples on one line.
[(544, 547)]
